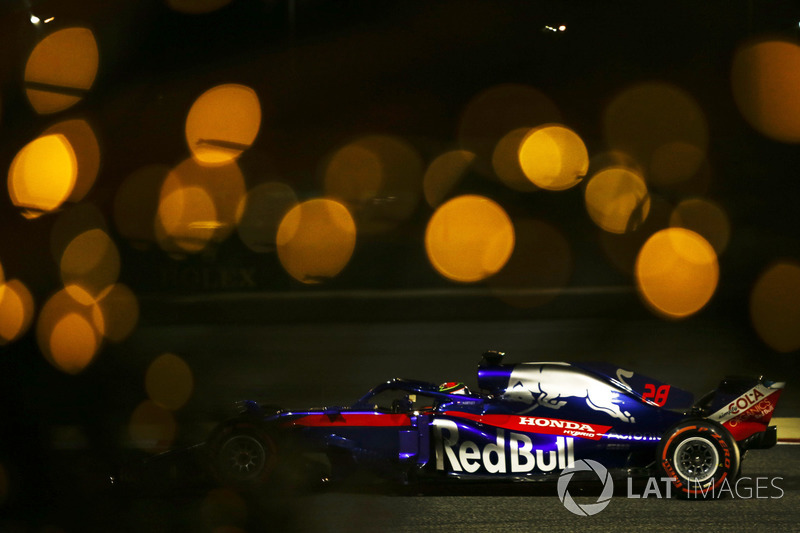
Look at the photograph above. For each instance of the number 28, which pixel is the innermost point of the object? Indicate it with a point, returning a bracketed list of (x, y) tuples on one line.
[(657, 396)]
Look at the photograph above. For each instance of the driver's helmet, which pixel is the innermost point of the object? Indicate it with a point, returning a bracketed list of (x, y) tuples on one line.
[(453, 387)]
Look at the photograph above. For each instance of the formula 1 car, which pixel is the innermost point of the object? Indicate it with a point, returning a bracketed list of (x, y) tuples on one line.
[(529, 422)]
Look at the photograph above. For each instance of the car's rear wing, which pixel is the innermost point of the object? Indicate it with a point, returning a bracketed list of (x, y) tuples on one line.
[(744, 406)]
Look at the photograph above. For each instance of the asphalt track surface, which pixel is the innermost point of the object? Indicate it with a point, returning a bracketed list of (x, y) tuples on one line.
[(768, 501), (540, 509)]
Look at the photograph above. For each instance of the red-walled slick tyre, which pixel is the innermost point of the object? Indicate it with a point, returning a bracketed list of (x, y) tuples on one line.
[(701, 457)]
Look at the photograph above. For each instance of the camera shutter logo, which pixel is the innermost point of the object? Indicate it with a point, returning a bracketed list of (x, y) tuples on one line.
[(588, 509)]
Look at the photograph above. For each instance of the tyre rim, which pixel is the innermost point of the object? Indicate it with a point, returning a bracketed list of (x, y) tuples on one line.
[(243, 457), (696, 459)]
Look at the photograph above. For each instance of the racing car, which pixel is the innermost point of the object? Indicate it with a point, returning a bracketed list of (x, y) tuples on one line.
[(529, 421)]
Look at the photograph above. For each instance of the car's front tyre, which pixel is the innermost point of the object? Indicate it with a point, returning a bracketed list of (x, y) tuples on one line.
[(243, 454), (700, 457)]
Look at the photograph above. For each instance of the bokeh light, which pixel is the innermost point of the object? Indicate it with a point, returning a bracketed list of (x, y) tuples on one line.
[(222, 123), (506, 161), (224, 185), (261, 212), (378, 178), (152, 428), (169, 381), (221, 508), (553, 157), (90, 266), (613, 159), (72, 222), (495, 112), (61, 69), (354, 174), (119, 313), (16, 310), (83, 142), (539, 268), (621, 249), (68, 332), (705, 218), (617, 199), (677, 272), (43, 174), (73, 342), (662, 127), (197, 205), (187, 220), (136, 204), (316, 240), (774, 307), (444, 174), (469, 238), (197, 7), (766, 80), (676, 164)]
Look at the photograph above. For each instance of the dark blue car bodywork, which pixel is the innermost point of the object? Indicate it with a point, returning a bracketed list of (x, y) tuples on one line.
[(529, 422)]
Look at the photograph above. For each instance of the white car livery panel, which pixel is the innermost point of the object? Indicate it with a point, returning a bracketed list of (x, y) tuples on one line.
[(751, 410), (552, 386), (508, 452)]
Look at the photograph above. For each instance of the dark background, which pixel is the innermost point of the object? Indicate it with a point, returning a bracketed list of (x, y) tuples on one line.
[(327, 71)]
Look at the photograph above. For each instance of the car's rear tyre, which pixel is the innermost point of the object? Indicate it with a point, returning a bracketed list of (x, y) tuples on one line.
[(701, 457), (244, 454)]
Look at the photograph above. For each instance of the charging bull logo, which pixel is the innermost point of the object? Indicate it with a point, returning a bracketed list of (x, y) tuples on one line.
[(539, 385)]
